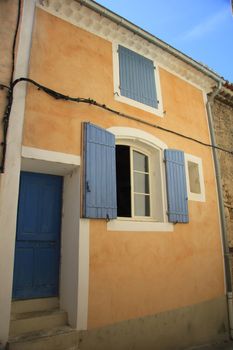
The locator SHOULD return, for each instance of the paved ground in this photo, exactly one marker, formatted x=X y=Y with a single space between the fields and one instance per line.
x=217 y=346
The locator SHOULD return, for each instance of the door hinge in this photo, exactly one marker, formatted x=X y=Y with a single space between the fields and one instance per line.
x=88 y=186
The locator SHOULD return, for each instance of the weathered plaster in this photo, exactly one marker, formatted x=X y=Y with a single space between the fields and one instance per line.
x=176 y=329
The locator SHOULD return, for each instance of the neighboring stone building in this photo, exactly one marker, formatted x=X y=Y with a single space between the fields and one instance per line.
x=223 y=123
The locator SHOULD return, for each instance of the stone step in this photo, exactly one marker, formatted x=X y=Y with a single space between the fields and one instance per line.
x=58 y=338
x=20 y=306
x=36 y=321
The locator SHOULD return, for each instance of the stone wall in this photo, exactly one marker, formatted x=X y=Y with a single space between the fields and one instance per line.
x=223 y=123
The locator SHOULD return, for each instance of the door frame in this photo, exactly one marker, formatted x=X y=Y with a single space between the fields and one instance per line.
x=35 y=242
x=74 y=261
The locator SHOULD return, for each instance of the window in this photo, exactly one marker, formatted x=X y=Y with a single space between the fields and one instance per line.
x=124 y=177
x=140 y=178
x=136 y=80
x=133 y=182
x=195 y=180
x=194 y=177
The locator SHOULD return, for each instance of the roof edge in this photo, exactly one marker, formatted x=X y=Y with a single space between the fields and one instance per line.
x=149 y=37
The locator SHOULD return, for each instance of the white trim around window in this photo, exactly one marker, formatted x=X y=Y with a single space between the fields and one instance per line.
x=137 y=134
x=116 y=81
x=194 y=178
x=158 y=220
x=139 y=226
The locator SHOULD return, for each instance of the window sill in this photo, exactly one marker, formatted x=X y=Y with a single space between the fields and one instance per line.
x=139 y=226
x=157 y=111
x=197 y=197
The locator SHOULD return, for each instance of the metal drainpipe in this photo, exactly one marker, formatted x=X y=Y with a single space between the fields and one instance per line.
x=227 y=257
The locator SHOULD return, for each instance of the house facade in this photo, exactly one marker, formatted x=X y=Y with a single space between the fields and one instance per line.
x=108 y=193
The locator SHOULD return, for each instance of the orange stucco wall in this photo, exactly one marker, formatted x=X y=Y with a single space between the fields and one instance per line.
x=131 y=274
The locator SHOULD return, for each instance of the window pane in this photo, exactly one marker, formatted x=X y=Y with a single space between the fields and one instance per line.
x=194 y=179
x=141 y=182
x=141 y=205
x=140 y=161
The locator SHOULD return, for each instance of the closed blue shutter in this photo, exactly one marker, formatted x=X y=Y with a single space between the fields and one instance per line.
x=176 y=186
x=99 y=173
x=137 y=79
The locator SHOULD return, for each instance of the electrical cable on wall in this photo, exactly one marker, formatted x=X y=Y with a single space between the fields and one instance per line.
x=2 y=86
x=59 y=96
x=6 y=116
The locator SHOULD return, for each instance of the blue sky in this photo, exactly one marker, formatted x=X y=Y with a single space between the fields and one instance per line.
x=202 y=29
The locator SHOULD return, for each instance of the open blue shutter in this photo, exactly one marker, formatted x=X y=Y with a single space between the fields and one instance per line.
x=99 y=173
x=176 y=186
x=137 y=78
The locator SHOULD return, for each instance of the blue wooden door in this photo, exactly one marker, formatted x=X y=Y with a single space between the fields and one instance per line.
x=37 y=251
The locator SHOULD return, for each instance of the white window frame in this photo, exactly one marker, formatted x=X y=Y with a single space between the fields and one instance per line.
x=150 y=179
x=116 y=81
x=143 y=141
x=200 y=197
x=145 y=150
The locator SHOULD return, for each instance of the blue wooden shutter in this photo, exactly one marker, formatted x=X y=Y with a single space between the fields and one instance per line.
x=137 y=79
x=176 y=186
x=99 y=173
